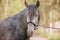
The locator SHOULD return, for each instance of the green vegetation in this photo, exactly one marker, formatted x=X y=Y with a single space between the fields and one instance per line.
x=41 y=33
x=53 y=36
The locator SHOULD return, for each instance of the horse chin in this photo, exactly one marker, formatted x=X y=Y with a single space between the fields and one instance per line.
x=30 y=34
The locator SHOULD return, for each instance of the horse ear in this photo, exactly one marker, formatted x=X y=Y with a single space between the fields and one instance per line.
x=37 y=4
x=26 y=4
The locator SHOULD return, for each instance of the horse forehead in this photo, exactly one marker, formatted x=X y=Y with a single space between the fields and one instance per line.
x=32 y=9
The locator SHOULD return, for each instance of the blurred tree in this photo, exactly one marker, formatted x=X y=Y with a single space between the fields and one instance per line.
x=5 y=8
x=0 y=1
x=12 y=7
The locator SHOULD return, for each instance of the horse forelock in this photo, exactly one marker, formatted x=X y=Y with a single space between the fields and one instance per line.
x=32 y=11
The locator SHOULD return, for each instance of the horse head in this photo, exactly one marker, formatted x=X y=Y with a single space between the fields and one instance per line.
x=33 y=17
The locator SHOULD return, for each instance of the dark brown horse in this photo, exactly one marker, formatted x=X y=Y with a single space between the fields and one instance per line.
x=21 y=25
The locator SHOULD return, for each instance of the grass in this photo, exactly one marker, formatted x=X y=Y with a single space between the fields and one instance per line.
x=41 y=33
x=53 y=36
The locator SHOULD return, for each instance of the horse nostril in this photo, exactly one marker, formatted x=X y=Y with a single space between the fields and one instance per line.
x=32 y=32
x=35 y=28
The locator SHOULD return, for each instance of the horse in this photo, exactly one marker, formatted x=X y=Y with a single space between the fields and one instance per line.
x=22 y=25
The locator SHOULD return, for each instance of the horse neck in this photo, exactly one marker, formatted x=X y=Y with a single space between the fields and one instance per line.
x=22 y=18
x=21 y=14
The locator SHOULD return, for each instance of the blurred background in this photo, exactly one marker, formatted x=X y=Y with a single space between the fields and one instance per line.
x=49 y=13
